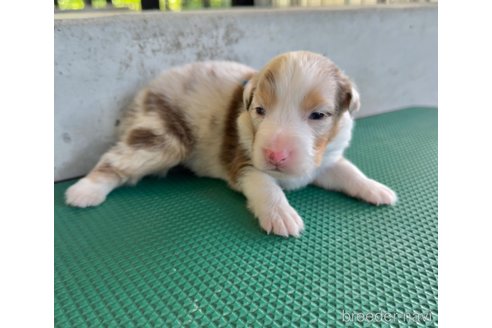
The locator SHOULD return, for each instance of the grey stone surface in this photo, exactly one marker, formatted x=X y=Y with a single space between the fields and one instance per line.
x=100 y=62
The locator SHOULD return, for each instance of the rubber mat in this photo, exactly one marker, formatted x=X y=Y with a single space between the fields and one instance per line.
x=184 y=251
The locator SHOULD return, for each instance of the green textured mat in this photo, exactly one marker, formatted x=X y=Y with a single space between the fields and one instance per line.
x=185 y=251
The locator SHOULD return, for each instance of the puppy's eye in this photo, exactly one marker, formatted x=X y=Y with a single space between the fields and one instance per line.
x=260 y=111
x=318 y=115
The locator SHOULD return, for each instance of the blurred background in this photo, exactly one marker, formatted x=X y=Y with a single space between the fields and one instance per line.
x=178 y=5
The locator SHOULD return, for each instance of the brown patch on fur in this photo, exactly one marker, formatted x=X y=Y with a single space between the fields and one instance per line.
x=344 y=94
x=105 y=168
x=174 y=119
x=233 y=157
x=250 y=98
x=104 y=171
x=144 y=138
x=266 y=88
x=322 y=141
x=265 y=92
x=311 y=101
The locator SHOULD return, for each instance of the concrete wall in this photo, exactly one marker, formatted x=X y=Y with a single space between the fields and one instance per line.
x=390 y=52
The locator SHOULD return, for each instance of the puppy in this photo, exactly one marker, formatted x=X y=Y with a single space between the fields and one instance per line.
x=282 y=127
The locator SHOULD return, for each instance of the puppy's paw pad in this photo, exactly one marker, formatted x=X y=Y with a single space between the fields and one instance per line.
x=282 y=221
x=85 y=193
x=378 y=194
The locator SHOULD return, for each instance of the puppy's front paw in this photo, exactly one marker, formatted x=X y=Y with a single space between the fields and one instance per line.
x=85 y=193
x=282 y=220
x=377 y=193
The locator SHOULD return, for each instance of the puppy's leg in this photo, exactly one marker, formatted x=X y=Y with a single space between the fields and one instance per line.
x=268 y=203
x=346 y=177
x=124 y=163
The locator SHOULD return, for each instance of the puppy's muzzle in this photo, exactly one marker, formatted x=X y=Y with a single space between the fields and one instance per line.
x=277 y=157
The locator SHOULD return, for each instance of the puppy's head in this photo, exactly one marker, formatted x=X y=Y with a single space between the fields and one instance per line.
x=294 y=105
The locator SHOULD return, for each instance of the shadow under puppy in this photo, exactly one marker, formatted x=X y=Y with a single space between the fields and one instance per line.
x=280 y=128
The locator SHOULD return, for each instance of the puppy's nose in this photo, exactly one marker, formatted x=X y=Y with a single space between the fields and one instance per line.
x=276 y=157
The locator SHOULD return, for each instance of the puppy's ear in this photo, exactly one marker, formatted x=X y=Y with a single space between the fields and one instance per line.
x=249 y=92
x=348 y=96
